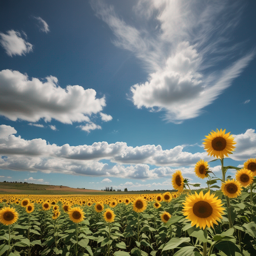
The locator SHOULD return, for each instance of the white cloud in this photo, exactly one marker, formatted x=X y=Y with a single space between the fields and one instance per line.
x=178 y=56
x=247 y=101
x=42 y=24
x=14 y=44
x=105 y=117
x=2 y=176
x=32 y=180
x=106 y=180
x=89 y=127
x=6 y=130
x=53 y=127
x=8 y=177
x=33 y=99
x=37 y=125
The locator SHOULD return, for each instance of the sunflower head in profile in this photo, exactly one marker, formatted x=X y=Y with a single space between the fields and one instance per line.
x=201 y=168
x=55 y=207
x=231 y=188
x=165 y=216
x=139 y=205
x=178 y=181
x=99 y=207
x=167 y=197
x=76 y=214
x=25 y=202
x=109 y=216
x=251 y=165
x=159 y=198
x=30 y=208
x=244 y=177
x=55 y=215
x=203 y=210
x=8 y=216
x=46 y=206
x=127 y=201
x=218 y=144
x=157 y=205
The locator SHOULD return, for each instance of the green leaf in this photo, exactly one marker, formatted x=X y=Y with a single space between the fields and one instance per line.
x=89 y=249
x=196 y=185
x=4 y=248
x=121 y=245
x=200 y=234
x=121 y=253
x=215 y=186
x=228 y=247
x=210 y=182
x=38 y=242
x=250 y=229
x=186 y=251
x=34 y=232
x=84 y=242
x=57 y=251
x=213 y=160
x=173 y=220
x=175 y=242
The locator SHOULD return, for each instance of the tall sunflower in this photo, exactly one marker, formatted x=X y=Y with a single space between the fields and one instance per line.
x=46 y=206
x=109 y=215
x=8 y=216
x=201 y=169
x=165 y=216
x=76 y=214
x=244 y=177
x=218 y=144
x=167 y=197
x=231 y=188
x=139 y=205
x=55 y=207
x=99 y=207
x=251 y=165
x=30 y=208
x=127 y=201
x=178 y=181
x=25 y=202
x=113 y=203
x=157 y=205
x=159 y=198
x=203 y=210
x=66 y=207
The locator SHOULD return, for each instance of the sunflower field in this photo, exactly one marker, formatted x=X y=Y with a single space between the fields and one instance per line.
x=218 y=220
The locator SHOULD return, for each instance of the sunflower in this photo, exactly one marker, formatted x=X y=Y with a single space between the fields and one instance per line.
x=159 y=198
x=139 y=205
x=113 y=203
x=99 y=207
x=244 y=177
x=203 y=210
x=8 y=216
x=25 y=202
x=231 y=188
x=109 y=215
x=89 y=203
x=201 y=168
x=178 y=181
x=17 y=202
x=219 y=144
x=56 y=214
x=30 y=208
x=167 y=197
x=46 y=206
x=55 y=207
x=76 y=214
x=157 y=205
x=127 y=201
x=251 y=165
x=165 y=216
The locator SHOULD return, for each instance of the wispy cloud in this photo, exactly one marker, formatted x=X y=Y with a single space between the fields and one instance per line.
x=53 y=127
x=181 y=50
x=42 y=25
x=14 y=44
x=36 y=125
x=247 y=101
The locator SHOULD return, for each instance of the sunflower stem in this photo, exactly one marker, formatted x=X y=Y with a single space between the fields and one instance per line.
x=9 y=242
x=76 y=238
x=205 y=249
x=138 y=229
x=108 y=238
x=251 y=201
x=29 y=253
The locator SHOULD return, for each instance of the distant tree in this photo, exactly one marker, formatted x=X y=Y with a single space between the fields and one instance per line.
x=125 y=190
x=5 y=181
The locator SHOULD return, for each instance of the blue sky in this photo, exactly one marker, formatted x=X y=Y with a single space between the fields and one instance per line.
x=122 y=93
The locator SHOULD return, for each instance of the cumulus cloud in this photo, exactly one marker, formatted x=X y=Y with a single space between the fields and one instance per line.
x=14 y=44
x=183 y=64
x=32 y=180
x=53 y=127
x=42 y=25
x=89 y=127
x=36 y=125
x=106 y=180
x=6 y=130
x=33 y=99
x=105 y=117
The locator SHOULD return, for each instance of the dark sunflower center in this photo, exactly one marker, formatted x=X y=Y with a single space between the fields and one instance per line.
x=244 y=178
x=174 y=196
x=166 y=217
x=65 y=208
x=202 y=169
x=219 y=144
x=29 y=208
x=166 y=197
x=178 y=180
x=252 y=167
x=99 y=207
x=202 y=209
x=139 y=204
x=46 y=206
x=109 y=215
x=25 y=203
x=231 y=188
x=76 y=215
x=8 y=216
x=127 y=201
x=158 y=198
x=156 y=204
